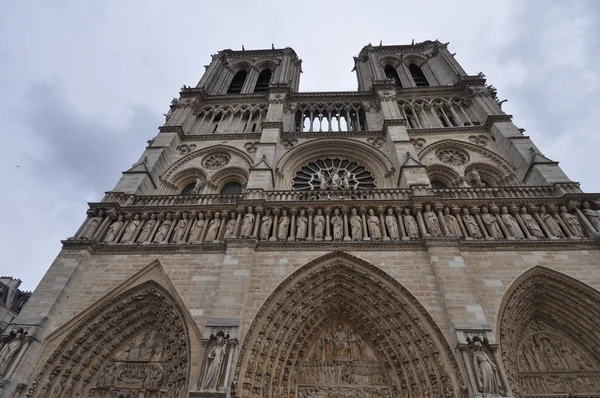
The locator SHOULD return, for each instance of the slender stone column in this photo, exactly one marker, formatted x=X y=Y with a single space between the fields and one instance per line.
x=293 y=225
x=90 y=215
x=257 y=222
x=467 y=360
x=156 y=226
x=224 y=216
x=208 y=218
x=475 y=212
x=275 y=225
x=443 y=226
x=517 y=216
x=327 y=223
x=588 y=228
x=560 y=222
x=363 y=212
x=542 y=224
x=420 y=221
x=187 y=229
x=494 y=211
x=309 y=229
x=345 y=214
x=173 y=224
x=122 y=229
x=403 y=235
x=382 y=228
x=506 y=384
x=102 y=227
x=456 y=212
x=238 y=223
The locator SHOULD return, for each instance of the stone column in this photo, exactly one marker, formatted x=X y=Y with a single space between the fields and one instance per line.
x=345 y=214
x=327 y=224
x=257 y=221
x=456 y=213
x=123 y=228
x=224 y=216
x=417 y=209
x=89 y=215
x=403 y=235
x=208 y=218
x=494 y=210
x=187 y=228
x=586 y=225
x=275 y=225
x=560 y=222
x=517 y=216
x=443 y=226
x=293 y=225
x=309 y=229
x=363 y=212
x=541 y=223
x=159 y=218
x=238 y=223
x=475 y=212
x=382 y=229
x=173 y=224
x=102 y=228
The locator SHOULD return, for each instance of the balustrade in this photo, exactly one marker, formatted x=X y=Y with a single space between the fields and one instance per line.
x=330 y=118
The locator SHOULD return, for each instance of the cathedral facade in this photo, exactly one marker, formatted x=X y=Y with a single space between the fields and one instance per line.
x=405 y=240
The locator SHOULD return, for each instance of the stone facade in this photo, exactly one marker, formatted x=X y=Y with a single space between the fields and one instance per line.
x=403 y=240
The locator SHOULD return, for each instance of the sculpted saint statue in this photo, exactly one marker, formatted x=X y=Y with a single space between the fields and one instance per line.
x=284 y=226
x=346 y=179
x=301 y=225
x=214 y=225
x=355 y=225
x=10 y=350
x=412 y=230
x=432 y=222
x=179 y=235
x=265 y=225
x=392 y=225
x=197 y=228
x=147 y=229
x=531 y=224
x=451 y=223
x=319 y=223
x=551 y=224
x=486 y=372
x=216 y=358
x=229 y=227
x=131 y=228
x=471 y=225
x=373 y=225
x=512 y=226
x=247 y=224
x=572 y=222
x=338 y=225
x=491 y=224
x=92 y=225
x=113 y=230
x=592 y=215
x=324 y=183
x=336 y=181
x=163 y=230
x=198 y=185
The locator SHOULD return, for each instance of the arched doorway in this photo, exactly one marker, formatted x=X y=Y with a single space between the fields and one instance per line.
x=549 y=335
x=341 y=327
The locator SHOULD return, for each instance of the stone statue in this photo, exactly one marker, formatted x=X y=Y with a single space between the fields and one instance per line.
x=92 y=225
x=147 y=229
x=451 y=223
x=336 y=181
x=319 y=224
x=392 y=225
x=338 y=225
x=486 y=373
x=512 y=226
x=247 y=224
x=284 y=226
x=373 y=225
x=230 y=226
x=197 y=228
x=10 y=350
x=491 y=224
x=214 y=225
x=265 y=225
x=412 y=230
x=216 y=359
x=531 y=224
x=592 y=215
x=181 y=228
x=163 y=230
x=131 y=228
x=475 y=179
x=198 y=185
x=572 y=222
x=323 y=182
x=471 y=225
x=432 y=222
x=346 y=179
x=355 y=225
x=113 y=230
x=551 y=224
x=301 y=225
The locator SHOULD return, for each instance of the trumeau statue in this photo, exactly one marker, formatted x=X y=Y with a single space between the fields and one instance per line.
x=284 y=226
x=486 y=372
x=147 y=229
x=10 y=350
x=572 y=222
x=471 y=225
x=551 y=224
x=338 y=225
x=214 y=225
x=163 y=230
x=412 y=230
x=131 y=229
x=216 y=361
x=247 y=224
x=301 y=225
x=491 y=224
x=319 y=223
x=592 y=215
x=355 y=225
x=230 y=226
x=531 y=224
x=512 y=226
x=432 y=222
x=265 y=225
x=114 y=229
x=392 y=225
x=451 y=223
x=373 y=225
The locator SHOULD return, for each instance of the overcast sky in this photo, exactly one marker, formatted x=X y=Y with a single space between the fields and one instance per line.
x=84 y=84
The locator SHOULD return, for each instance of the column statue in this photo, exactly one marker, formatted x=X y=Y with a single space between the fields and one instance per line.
x=92 y=225
x=265 y=225
x=512 y=226
x=451 y=223
x=486 y=372
x=301 y=225
x=10 y=350
x=213 y=228
x=471 y=225
x=113 y=230
x=412 y=230
x=491 y=224
x=551 y=224
x=216 y=361
x=319 y=224
x=131 y=228
x=531 y=224
x=284 y=226
x=572 y=222
x=247 y=224
x=147 y=229
x=592 y=215
x=197 y=228
x=230 y=226
x=355 y=225
x=181 y=228
x=373 y=225
x=432 y=222
x=163 y=230
x=338 y=225
x=392 y=225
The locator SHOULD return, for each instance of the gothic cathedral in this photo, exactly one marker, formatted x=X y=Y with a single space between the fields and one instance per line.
x=405 y=240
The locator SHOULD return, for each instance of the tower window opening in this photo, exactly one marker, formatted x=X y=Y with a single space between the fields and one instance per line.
x=237 y=82
x=232 y=188
x=418 y=76
x=262 y=84
x=216 y=121
x=437 y=184
x=391 y=74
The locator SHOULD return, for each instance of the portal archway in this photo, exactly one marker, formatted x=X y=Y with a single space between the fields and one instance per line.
x=549 y=335
x=340 y=326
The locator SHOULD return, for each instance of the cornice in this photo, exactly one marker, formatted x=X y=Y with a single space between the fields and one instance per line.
x=220 y=136
x=491 y=119
x=171 y=129
x=438 y=130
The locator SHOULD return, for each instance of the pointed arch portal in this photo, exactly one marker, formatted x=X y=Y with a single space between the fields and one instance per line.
x=340 y=326
x=549 y=336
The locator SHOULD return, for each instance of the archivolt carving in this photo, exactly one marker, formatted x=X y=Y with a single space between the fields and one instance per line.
x=229 y=174
x=444 y=174
x=134 y=343
x=548 y=335
x=403 y=354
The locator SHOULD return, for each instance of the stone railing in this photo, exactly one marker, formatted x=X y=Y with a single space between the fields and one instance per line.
x=496 y=192
x=171 y=200
x=302 y=196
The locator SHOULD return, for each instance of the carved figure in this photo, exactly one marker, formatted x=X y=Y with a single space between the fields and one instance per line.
x=323 y=182
x=338 y=225
x=265 y=225
x=284 y=226
x=229 y=227
x=163 y=230
x=213 y=228
x=113 y=230
x=572 y=222
x=451 y=223
x=131 y=228
x=336 y=181
x=491 y=224
x=392 y=225
x=92 y=225
x=198 y=185
x=197 y=228
x=346 y=179
x=551 y=224
x=471 y=225
x=485 y=371
x=475 y=179
x=247 y=224
x=181 y=229
x=301 y=225
x=10 y=350
x=355 y=225
x=215 y=358
x=373 y=225
x=512 y=226
x=319 y=223
x=147 y=229
x=531 y=224
x=592 y=215
x=432 y=222
x=412 y=230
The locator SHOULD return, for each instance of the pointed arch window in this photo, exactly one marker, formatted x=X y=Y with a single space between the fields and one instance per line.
x=392 y=74
x=262 y=84
x=418 y=76
x=237 y=82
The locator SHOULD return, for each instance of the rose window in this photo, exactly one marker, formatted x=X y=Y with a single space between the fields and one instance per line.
x=333 y=174
x=216 y=161
x=452 y=156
